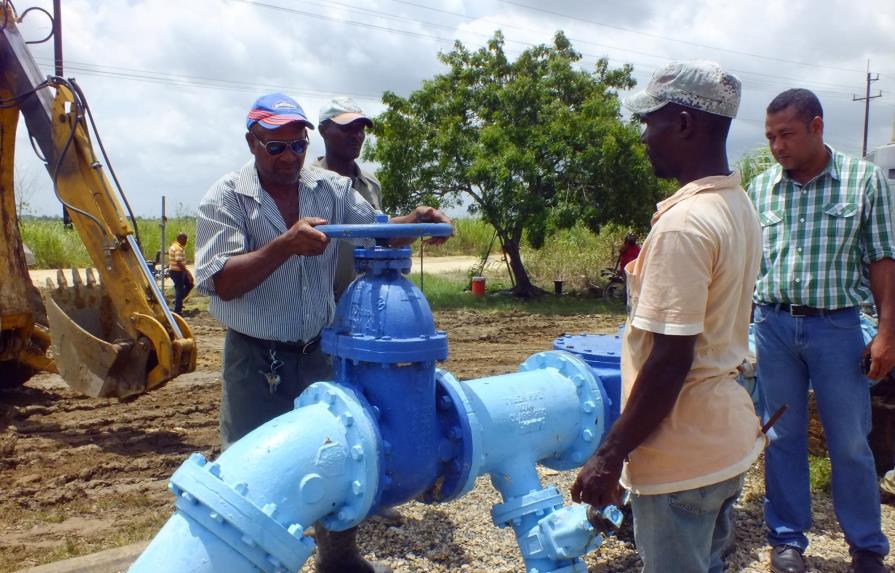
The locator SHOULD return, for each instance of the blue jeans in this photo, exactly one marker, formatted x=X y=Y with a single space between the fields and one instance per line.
x=691 y=529
x=182 y=287
x=825 y=350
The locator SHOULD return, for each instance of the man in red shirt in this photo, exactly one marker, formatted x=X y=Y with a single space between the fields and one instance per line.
x=628 y=252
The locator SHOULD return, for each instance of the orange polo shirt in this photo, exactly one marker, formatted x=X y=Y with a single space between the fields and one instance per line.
x=695 y=276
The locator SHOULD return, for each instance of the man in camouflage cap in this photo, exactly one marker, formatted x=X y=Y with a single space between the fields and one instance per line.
x=688 y=432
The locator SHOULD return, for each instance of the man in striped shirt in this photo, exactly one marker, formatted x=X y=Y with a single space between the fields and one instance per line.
x=269 y=274
x=180 y=275
x=829 y=244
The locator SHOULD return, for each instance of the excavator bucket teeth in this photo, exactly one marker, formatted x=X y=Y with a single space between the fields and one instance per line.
x=93 y=353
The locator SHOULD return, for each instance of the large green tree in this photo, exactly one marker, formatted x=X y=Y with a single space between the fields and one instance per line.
x=531 y=145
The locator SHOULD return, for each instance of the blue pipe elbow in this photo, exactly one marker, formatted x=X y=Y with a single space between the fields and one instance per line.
x=248 y=510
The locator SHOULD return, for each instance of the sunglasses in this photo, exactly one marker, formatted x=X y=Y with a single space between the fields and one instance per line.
x=298 y=146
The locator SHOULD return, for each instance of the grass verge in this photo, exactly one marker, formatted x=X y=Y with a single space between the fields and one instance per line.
x=449 y=291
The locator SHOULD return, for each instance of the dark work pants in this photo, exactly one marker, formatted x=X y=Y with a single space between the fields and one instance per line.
x=248 y=400
x=181 y=289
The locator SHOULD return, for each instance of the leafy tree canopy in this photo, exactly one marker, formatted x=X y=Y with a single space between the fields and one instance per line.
x=533 y=145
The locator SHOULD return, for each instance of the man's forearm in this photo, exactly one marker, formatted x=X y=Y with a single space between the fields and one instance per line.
x=653 y=396
x=882 y=285
x=242 y=273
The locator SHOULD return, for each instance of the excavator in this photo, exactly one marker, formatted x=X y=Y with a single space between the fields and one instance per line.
x=111 y=337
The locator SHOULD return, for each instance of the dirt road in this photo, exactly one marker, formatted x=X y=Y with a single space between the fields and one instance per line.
x=81 y=474
x=434 y=265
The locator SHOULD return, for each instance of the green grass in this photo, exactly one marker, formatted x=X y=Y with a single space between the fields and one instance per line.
x=471 y=237
x=573 y=255
x=56 y=247
x=820 y=473
x=52 y=245
x=449 y=291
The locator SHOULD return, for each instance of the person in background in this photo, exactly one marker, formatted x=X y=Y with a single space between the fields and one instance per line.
x=343 y=125
x=829 y=244
x=629 y=251
x=180 y=275
x=687 y=432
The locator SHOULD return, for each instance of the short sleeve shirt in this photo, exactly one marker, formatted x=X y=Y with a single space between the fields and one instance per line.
x=237 y=216
x=694 y=276
x=176 y=257
x=819 y=237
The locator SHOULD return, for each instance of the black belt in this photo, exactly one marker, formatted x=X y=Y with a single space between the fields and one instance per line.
x=300 y=346
x=801 y=310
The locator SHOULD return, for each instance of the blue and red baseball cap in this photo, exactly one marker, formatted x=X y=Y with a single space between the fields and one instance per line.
x=276 y=110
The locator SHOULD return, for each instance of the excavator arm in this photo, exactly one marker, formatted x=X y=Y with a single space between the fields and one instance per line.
x=116 y=338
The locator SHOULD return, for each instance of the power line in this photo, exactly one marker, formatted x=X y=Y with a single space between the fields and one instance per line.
x=784 y=83
x=670 y=39
x=184 y=80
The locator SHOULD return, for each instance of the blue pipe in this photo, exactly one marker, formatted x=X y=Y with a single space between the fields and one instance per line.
x=248 y=510
x=389 y=429
x=550 y=412
x=602 y=352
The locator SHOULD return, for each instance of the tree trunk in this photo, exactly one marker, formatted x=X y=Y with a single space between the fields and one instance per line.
x=523 y=287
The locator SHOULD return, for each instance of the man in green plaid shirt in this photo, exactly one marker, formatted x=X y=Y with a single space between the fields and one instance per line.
x=829 y=245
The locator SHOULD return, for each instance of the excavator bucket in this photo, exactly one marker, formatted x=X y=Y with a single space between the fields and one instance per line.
x=111 y=337
x=93 y=353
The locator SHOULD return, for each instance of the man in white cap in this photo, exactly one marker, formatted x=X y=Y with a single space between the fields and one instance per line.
x=688 y=432
x=343 y=127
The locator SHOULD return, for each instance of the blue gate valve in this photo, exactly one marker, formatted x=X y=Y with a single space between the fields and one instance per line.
x=389 y=428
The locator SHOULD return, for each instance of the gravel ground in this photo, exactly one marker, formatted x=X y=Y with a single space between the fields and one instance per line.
x=460 y=536
x=80 y=475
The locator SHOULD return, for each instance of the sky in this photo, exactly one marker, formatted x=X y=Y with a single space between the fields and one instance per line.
x=169 y=82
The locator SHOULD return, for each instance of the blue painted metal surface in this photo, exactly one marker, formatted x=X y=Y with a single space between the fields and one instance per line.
x=602 y=352
x=550 y=412
x=386 y=230
x=247 y=511
x=385 y=345
x=391 y=428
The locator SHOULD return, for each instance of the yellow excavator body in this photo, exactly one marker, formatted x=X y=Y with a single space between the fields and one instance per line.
x=111 y=337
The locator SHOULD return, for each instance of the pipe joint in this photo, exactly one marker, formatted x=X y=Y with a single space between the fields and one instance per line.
x=537 y=503
x=252 y=532
x=359 y=454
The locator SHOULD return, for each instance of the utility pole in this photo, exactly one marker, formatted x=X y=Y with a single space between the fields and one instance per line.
x=866 y=99
x=57 y=60
x=57 y=36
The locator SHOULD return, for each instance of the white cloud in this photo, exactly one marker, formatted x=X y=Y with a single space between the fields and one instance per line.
x=169 y=82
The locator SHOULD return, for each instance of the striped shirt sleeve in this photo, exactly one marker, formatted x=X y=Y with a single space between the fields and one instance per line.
x=219 y=233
